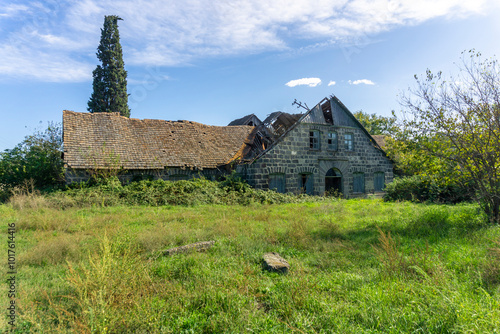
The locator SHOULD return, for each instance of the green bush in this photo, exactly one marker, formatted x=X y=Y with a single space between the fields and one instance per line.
x=183 y=192
x=420 y=188
x=37 y=158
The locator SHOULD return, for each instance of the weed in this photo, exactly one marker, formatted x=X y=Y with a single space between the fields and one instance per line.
x=418 y=264
x=298 y=234
x=328 y=229
x=26 y=196
x=491 y=269
x=109 y=286
x=433 y=221
x=156 y=238
x=388 y=254
x=52 y=250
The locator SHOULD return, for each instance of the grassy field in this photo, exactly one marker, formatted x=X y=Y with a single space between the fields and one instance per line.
x=357 y=266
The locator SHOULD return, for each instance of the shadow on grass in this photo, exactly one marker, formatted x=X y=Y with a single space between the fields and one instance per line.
x=436 y=223
x=431 y=224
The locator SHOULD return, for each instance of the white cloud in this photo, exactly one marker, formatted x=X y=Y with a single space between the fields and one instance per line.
x=19 y=62
x=331 y=83
x=12 y=10
x=170 y=32
x=362 y=81
x=311 y=82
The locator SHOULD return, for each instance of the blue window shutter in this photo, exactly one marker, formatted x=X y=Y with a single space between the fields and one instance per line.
x=310 y=184
x=277 y=182
x=358 y=183
x=379 y=181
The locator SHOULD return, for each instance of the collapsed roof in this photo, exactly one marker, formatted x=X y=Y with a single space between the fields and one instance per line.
x=329 y=111
x=98 y=140
x=108 y=140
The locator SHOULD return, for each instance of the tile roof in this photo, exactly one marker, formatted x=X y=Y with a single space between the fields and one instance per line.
x=108 y=140
x=380 y=140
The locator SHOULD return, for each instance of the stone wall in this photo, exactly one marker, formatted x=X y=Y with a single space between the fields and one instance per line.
x=172 y=174
x=293 y=156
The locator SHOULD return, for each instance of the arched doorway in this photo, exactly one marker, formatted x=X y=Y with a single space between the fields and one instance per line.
x=333 y=181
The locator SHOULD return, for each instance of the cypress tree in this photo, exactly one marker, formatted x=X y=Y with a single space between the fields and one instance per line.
x=110 y=79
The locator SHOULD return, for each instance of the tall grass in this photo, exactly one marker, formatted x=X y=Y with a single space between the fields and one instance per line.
x=26 y=196
x=108 y=288
x=357 y=266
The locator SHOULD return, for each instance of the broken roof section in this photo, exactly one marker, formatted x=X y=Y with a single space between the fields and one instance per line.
x=97 y=140
x=251 y=120
x=278 y=123
x=330 y=111
x=266 y=132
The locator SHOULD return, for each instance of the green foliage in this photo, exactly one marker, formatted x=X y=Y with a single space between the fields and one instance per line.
x=409 y=159
x=110 y=78
x=37 y=158
x=451 y=129
x=424 y=177
x=426 y=188
x=234 y=182
x=375 y=124
x=232 y=190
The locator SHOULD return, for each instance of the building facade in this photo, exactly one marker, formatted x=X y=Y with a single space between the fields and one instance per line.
x=323 y=151
x=326 y=151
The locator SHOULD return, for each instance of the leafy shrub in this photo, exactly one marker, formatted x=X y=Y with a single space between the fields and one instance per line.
x=420 y=188
x=110 y=191
x=182 y=192
x=37 y=158
x=234 y=182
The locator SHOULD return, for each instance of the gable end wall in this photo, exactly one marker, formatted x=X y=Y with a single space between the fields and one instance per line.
x=292 y=156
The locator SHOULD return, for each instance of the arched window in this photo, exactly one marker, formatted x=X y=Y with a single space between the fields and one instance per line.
x=333 y=181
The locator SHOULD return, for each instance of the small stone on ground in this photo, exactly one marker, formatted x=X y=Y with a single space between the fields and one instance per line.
x=274 y=262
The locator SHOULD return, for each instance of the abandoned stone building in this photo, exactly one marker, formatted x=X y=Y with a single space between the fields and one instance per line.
x=322 y=150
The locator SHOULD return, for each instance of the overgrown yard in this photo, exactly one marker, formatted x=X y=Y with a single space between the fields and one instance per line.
x=357 y=266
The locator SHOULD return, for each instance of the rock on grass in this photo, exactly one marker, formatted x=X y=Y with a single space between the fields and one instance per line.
x=274 y=262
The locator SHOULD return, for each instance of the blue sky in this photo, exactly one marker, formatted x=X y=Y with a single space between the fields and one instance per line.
x=213 y=61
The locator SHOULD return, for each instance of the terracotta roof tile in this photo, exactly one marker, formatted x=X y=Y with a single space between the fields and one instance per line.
x=101 y=140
